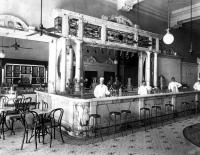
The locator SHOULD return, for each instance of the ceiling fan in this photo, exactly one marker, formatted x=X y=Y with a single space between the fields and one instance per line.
x=16 y=46
x=42 y=30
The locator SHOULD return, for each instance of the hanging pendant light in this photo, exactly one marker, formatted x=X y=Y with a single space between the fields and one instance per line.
x=191 y=48
x=168 y=37
x=115 y=60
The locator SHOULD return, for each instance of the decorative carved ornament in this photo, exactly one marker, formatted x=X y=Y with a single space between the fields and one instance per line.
x=12 y=22
x=91 y=60
x=126 y=5
x=118 y=19
x=109 y=61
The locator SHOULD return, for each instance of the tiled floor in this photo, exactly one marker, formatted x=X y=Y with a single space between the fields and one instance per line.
x=163 y=140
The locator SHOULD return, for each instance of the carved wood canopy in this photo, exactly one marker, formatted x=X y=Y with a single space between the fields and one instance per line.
x=12 y=22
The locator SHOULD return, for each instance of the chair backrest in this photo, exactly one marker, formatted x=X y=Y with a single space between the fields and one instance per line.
x=29 y=119
x=44 y=105
x=56 y=115
x=22 y=97
x=27 y=99
x=3 y=100
x=20 y=106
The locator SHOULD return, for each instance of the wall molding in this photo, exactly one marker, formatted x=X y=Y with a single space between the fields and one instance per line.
x=183 y=15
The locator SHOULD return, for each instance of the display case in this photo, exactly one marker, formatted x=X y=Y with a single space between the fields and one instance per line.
x=24 y=74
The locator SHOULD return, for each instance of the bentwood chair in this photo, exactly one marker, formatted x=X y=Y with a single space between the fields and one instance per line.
x=3 y=100
x=14 y=115
x=53 y=121
x=30 y=122
x=2 y=124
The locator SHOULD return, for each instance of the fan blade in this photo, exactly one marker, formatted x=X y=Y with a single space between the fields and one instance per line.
x=25 y=48
x=5 y=46
x=32 y=34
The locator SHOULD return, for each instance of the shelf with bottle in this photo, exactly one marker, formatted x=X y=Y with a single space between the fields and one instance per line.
x=91 y=31
x=73 y=26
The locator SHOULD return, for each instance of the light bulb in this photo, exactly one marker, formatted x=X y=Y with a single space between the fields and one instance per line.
x=115 y=61
x=2 y=54
x=168 y=38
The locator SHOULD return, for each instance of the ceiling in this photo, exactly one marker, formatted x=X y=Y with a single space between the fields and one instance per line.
x=38 y=51
x=29 y=11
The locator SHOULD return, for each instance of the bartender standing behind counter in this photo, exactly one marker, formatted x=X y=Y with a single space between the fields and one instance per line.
x=197 y=85
x=144 y=89
x=173 y=85
x=101 y=90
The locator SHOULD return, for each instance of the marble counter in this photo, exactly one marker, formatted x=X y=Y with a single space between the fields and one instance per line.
x=77 y=111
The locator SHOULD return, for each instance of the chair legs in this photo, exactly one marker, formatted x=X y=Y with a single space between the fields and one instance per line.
x=53 y=135
x=34 y=134
x=61 y=135
x=24 y=135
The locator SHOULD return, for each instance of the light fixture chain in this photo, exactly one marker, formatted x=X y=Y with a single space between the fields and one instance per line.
x=168 y=15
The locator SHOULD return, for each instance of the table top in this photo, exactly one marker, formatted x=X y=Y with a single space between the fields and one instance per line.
x=6 y=109
x=39 y=111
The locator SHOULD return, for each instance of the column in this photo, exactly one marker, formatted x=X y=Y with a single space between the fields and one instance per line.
x=136 y=39
x=63 y=65
x=69 y=64
x=79 y=64
x=65 y=25
x=103 y=34
x=80 y=29
x=52 y=66
x=147 y=69
x=2 y=71
x=140 y=68
x=155 y=70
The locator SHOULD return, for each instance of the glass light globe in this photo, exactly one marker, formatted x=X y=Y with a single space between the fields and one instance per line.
x=115 y=62
x=2 y=54
x=168 y=38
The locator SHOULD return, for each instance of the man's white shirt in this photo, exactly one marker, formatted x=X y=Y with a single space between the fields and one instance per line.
x=173 y=86
x=101 y=91
x=143 y=90
x=197 y=86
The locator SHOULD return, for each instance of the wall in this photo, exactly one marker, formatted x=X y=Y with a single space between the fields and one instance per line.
x=100 y=68
x=169 y=67
x=189 y=73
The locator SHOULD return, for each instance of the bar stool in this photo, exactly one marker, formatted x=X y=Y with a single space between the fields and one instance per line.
x=185 y=107
x=195 y=106
x=145 y=118
x=157 y=110
x=170 y=109
x=96 y=124
x=114 y=114
x=126 y=113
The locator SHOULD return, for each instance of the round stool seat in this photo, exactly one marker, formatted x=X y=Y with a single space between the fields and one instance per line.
x=95 y=115
x=125 y=111
x=169 y=104
x=156 y=107
x=115 y=113
x=186 y=103
x=145 y=108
